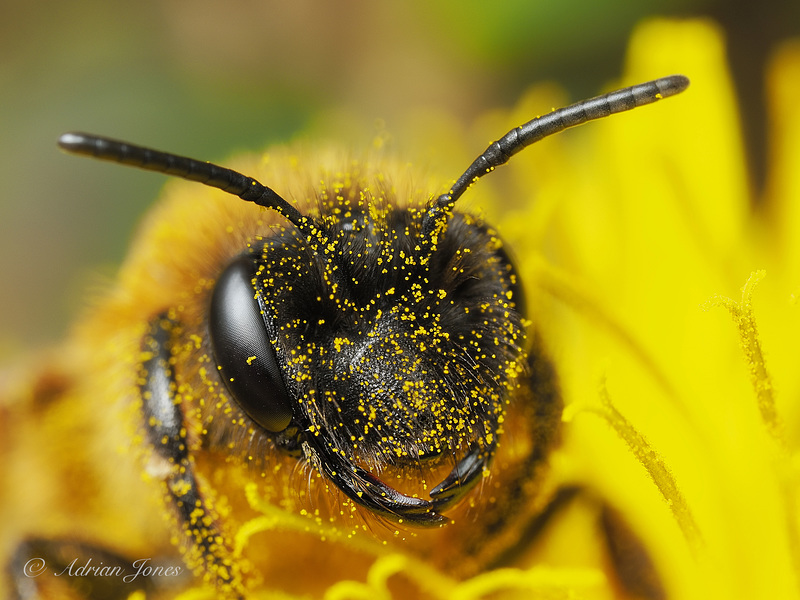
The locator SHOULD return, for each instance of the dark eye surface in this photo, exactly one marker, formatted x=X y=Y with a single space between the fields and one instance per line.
x=242 y=348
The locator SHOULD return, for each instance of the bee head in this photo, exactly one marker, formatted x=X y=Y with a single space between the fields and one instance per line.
x=370 y=337
x=382 y=354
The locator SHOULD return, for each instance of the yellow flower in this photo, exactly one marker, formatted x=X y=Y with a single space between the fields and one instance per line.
x=647 y=231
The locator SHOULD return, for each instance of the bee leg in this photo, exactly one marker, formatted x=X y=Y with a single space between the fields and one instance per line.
x=633 y=568
x=533 y=529
x=203 y=545
x=54 y=568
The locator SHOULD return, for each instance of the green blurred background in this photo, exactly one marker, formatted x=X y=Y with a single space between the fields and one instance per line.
x=210 y=78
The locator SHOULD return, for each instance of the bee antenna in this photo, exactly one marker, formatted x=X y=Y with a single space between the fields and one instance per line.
x=499 y=152
x=207 y=173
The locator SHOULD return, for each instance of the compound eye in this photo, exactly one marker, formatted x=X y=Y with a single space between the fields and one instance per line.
x=243 y=351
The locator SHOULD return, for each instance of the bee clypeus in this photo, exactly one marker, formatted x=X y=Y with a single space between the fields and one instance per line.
x=351 y=351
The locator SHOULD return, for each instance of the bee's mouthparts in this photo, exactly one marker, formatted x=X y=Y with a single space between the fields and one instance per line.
x=367 y=490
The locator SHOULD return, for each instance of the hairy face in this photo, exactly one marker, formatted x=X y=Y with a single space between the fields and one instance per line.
x=388 y=352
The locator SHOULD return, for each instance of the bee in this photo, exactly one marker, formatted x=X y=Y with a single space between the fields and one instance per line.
x=352 y=352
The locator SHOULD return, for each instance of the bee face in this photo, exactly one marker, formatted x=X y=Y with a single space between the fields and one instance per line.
x=374 y=354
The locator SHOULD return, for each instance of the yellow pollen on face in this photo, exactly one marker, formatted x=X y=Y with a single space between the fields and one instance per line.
x=340 y=342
